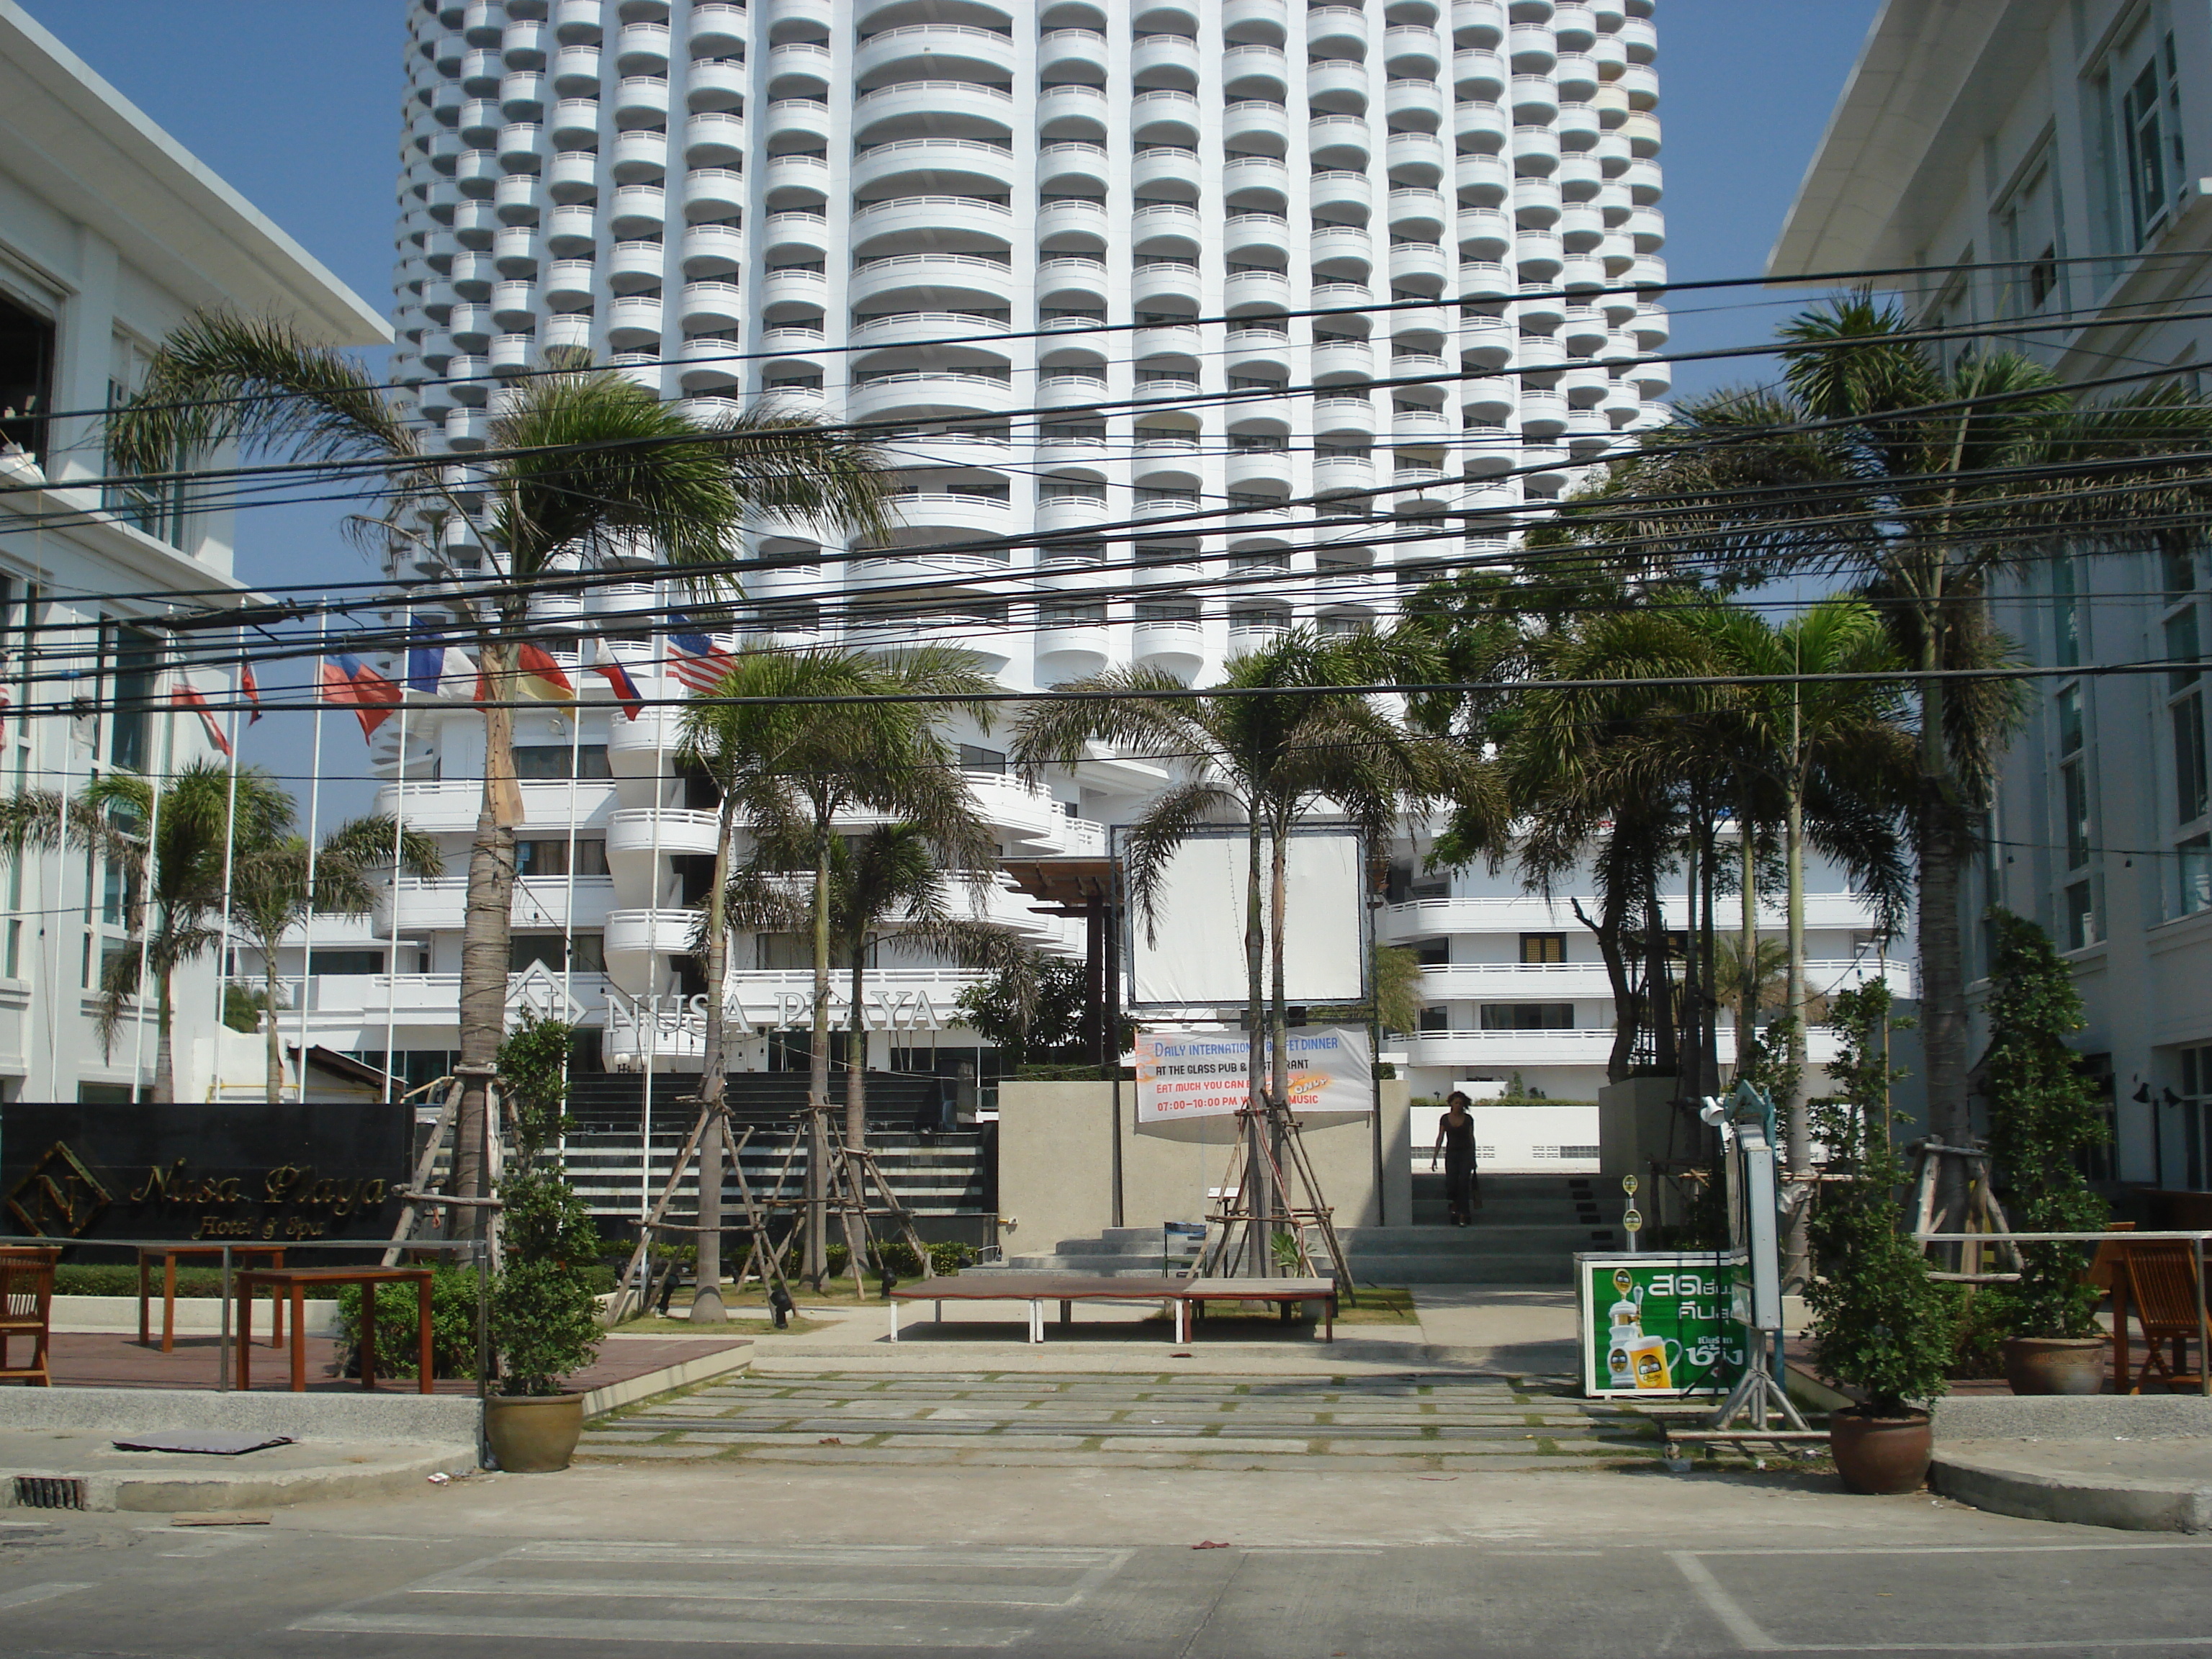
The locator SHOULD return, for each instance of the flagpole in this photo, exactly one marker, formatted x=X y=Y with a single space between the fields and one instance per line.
x=158 y=778
x=230 y=851
x=398 y=831
x=314 y=833
x=568 y=923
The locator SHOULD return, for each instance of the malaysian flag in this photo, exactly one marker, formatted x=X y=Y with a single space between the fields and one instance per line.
x=694 y=658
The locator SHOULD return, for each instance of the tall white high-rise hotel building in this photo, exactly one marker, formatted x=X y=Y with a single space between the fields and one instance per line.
x=795 y=198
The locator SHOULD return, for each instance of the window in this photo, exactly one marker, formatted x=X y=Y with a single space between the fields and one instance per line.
x=2027 y=227
x=526 y=951
x=1436 y=1019
x=2183 y=1153
x=1527 y=1015
x=27 y=359
x=2150 y=139
x=346 y=962
x=136 y=657
x=1433 y=953
x=549 y=857
x=551 y=762
x=1537 y=949
x=973 y=759
x=2065 y=612
x=2194 y=858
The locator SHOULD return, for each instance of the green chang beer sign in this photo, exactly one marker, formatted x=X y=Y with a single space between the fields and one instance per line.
x=1656 y=1325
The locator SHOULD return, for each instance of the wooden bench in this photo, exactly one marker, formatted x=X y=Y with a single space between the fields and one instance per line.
x=1179 y=1297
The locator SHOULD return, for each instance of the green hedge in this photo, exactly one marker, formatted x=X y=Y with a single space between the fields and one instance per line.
x=452 y=1327
x=121 y=1279
x=946 y=1258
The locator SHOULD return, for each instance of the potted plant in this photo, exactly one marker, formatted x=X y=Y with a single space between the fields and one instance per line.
x=2043 y=1117
x=1882 y=1326
x=544 y=1318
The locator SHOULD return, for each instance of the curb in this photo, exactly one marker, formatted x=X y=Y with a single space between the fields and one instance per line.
x=167 y=1494
x=2117 y=1501
x=681 y=1375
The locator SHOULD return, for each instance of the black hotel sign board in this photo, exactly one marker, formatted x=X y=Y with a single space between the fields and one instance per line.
x=217 y=1174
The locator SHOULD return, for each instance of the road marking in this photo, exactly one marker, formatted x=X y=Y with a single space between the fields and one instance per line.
x=886 y=1597
x=33 y=1592
x=1723 y=1607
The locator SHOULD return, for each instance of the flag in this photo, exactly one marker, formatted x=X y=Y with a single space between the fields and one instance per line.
x=608 y=668
x=349 y=681
x=694 y=658
x=247 y=684
x=538 y=675
x=184 y=695
x=436 y=667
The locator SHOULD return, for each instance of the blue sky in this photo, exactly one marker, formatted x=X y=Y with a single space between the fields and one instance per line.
x=296 y=102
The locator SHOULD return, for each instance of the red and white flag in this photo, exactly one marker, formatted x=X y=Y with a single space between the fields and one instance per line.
x=184 y=695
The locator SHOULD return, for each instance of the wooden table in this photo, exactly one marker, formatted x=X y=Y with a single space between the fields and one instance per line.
x=169 y=1255
x=296 y=1280
x=1178 y=1295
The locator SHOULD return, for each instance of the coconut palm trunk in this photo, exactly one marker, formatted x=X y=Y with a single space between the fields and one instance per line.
x=707 y=1307
x=816 y=1267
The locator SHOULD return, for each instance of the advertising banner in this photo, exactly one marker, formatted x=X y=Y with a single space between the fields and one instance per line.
x=1184 y=1075
x=1656 y=1325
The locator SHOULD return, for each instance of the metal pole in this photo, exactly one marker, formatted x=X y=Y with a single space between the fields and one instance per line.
x=222 y=1358
x=315 y=829
x=230 y=851
x=156 y=776
x=392 y=1090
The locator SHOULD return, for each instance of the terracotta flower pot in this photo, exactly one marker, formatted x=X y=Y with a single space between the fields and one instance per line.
x=1882 y=1454
x=2055 y=1365
x=533 y=1433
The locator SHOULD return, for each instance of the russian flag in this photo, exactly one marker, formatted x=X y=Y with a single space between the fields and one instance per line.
x=186 y=695
x=437 y=667
x=538 y=675
x=349 y=681
x=618 y=678
x=694 y=658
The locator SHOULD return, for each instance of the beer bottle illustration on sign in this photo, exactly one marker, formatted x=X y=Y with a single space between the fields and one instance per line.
x=1623 y=1328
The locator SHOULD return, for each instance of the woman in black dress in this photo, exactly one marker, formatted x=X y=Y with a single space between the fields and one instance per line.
x=1455 y=1140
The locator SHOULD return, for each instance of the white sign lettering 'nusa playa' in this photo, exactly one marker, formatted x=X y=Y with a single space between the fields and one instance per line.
x=1202 y=1074
x=895 y=1009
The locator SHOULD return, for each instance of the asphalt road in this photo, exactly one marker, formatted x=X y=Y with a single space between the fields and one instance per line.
x=1077 y=1563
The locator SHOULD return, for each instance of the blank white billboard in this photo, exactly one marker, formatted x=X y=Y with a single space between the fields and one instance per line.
x=1191 y=955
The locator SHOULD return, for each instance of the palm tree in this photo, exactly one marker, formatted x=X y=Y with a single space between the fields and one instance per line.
x=1279 y=736
x=584 y=468
x=272 y=893
x=788 y=768
x=1926 y=481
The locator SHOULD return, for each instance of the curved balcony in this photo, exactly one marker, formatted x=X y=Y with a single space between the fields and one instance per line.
x=794 y=235
x=709 y=364
x=1258 y=125
x=1073 y=220
x=924 y=394
x=1486 y=342
x=712 y=305
x=640 y=47
x=1343 y=194
x=1070 y=651
x=1159 y=168
x=1072 y=168
x=575 y=123
x=796 y=118
x=1479 y=73
x=718 y=28
x=1411 y=50
x=712 y=192
x=1415 y=211
x=522 y=95
x=1338 y=85
x=1341 y=414
x=1257 y=238
x=640 y=101
x=920 y=328
x=637 y=261
x=510 y=352
x=933 y=216
x=1421 y=263
x=636 y=834
x=574 y=176
x=637 y=210
x=1165 y=116
x=1336 y=32
x=927 y=279
x=1337 y=141
x=1255 y=181
x=1416 y=158
x=1071 y=54
x=1582 y=227
x=803 y=289
x=514 y=251
x=714 y=138
x=1579 y=129
x=1342 y=362
x=934 y=166
x=1491 y=398
x=1171 y=284
x=709 y=248
x=1072 y=111
x=1424 y=428
x=632 y=939
x=1063 y=389
x=1341 y=473
x=1252 y=292
x=1176 y=645
x=714 y=83
x=633 y=321
x=945 y=51
x=519 y=199
x=1072 y=282
x=1341 y=253
x=1267 y=468
x=955 y=108
x=798 y=69
x=1254 y=69
x=1642 y=131
x=1481 y=129
x=1256 y=18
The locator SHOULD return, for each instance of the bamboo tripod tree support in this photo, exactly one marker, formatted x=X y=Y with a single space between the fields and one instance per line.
x=640 y=1280
x=846 y=1175
x=1984 y=1213
x=1239 y=1209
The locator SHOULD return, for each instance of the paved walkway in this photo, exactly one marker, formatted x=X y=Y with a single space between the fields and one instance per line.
x=1408 y=1423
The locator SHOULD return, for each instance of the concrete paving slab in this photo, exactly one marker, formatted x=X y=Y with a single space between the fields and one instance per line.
x=167 y=1482
x=2162 y=1484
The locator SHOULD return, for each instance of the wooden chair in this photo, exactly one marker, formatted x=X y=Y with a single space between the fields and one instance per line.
x=2156 y=1282
x=26 y=1305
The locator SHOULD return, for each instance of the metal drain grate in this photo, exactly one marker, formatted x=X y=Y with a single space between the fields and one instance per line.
x=49 y=1492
